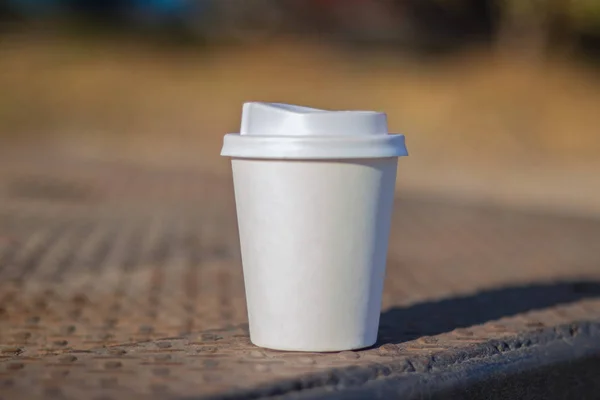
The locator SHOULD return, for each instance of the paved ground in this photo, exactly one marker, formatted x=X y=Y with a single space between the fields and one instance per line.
x=124 y=282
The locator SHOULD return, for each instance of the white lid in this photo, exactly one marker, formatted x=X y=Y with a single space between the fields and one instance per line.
x=282 y=131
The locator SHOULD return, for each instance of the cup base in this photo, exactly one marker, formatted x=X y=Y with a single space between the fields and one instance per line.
x=312 y=349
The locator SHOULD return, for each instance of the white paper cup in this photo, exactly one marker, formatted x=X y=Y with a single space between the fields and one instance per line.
x=314 y=192
x=314 y=238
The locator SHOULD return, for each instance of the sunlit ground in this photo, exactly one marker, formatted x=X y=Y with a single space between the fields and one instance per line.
x=482 y=126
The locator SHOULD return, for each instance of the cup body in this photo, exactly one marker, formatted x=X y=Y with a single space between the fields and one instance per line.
x=314 y=239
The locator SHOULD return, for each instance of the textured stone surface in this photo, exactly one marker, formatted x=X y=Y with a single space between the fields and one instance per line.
x=122 y=282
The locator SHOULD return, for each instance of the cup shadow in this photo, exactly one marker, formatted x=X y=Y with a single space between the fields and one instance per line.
x=399 y=324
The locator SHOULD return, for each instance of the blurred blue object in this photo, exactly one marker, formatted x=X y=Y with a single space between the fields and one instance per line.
x=155 y=8
x=153 y=13
x=166 y=7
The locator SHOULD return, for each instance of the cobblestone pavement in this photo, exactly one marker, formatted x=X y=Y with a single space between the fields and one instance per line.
x=123 y=282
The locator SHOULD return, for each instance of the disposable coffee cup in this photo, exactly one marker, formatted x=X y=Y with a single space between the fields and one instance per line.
x=314 y=193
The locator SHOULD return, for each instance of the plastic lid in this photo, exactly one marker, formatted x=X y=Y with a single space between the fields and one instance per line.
x=282 y=131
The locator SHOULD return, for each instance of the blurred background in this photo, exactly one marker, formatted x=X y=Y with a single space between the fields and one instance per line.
x=499 y=99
